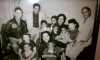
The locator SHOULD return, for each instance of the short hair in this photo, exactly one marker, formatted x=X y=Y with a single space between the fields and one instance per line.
x=74 y=22
x=64 y=26
x=44 y=21
x=87 y=8
x=64 y=16
x=37 y=4
x=44 y=33
x=29 y=35
x=18 y=8
x=54 y=17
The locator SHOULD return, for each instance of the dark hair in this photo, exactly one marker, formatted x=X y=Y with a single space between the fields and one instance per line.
x=64 y=16
x=56 y=25
x=55 y=17
x=44 y=21
x=18 y=8
x=74 y=22
x=87 y=8
x=26 y=44
x=44 y=33
x=64 y=26
x=37 y=4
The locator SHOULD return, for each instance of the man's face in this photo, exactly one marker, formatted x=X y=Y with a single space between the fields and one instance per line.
x=36 y=9
x=53 y=21
x=18 y=14
x=85 y=13
x=60 y=20
x=46 y=37
x=71 y=26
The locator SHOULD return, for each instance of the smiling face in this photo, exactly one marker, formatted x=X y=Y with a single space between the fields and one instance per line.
x=36 y=9
x=85 y=13
x=26 y=38
x=53 y=21
x=61 y=20
x=43 y=25
x=18 y=14
x=71 y=26
x=55 y=29
x=46 y=37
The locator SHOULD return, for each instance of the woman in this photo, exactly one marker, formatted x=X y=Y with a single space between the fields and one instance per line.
x=45 y=38
x=71 y=49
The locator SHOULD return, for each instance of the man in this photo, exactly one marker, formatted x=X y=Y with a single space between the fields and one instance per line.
x=36 y=10
x=85 y=34
x=14 y=30
x=37 y=15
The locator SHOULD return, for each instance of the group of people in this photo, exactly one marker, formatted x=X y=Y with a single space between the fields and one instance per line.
x=55 y=40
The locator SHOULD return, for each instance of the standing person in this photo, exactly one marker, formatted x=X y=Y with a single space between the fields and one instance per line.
x=15 y=28
x=85 y=35
x=36 y=11
x=37 y=15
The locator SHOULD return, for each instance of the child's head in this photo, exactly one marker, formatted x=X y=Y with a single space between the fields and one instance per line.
x=54 y=19
x=45 y=36
x=44 y=23
x=64 y=29
x=26 y=38
x=55 y=29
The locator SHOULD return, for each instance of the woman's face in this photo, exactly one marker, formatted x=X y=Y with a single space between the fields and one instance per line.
x=60 y=20
x=53 y=21
x=71 y=26
x=46 y=37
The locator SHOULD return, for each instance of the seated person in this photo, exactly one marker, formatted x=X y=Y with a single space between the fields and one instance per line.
x=49 y=53
x=27 y=52
x=64 y=37
x=45 y=38
x=26 y=39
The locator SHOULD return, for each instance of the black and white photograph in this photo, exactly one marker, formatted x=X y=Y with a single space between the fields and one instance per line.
x=48 y=29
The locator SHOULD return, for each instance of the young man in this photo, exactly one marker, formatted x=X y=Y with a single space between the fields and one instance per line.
x=14 y=30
